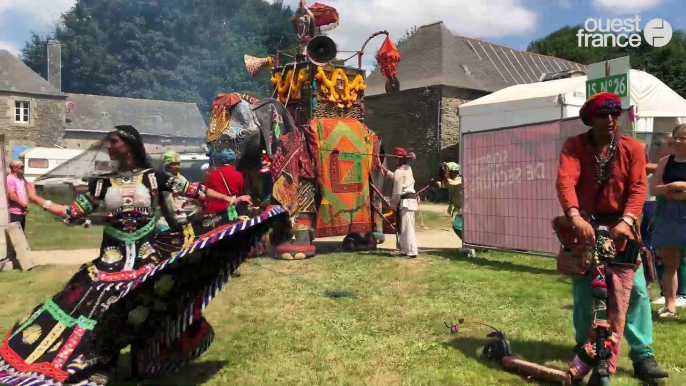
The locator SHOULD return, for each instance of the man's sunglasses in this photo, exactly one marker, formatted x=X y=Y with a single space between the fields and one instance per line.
x=605 y=115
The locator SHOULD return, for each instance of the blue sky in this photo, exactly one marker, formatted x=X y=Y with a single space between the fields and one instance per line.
x=513 y=23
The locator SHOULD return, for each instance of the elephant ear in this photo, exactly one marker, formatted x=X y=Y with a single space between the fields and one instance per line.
x=274 y=121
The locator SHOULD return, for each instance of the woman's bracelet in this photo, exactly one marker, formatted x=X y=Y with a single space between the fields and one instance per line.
x=46 y=204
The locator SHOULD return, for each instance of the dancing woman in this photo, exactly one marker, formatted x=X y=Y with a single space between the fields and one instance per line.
x=126 y=295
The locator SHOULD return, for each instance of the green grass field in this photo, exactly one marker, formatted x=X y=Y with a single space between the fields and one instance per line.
x=372 y=319
x=44 y=232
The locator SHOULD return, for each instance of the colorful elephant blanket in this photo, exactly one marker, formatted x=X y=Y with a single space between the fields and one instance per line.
x=342 y=149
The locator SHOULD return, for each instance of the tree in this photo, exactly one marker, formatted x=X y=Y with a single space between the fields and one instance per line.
x=665 y=63
x=177 y=50
x=408 y=34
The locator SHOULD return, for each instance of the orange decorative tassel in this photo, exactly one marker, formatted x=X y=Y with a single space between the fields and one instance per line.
x=388 y=58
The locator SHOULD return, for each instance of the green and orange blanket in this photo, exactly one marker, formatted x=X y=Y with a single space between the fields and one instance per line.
x=342 y=149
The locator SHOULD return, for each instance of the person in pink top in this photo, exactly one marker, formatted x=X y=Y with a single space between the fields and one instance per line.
x=17 y=194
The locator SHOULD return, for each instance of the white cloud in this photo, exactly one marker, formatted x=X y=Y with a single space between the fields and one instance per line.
x=9 y=46
x=474 y=18
x=626 y=7
x=44 y=11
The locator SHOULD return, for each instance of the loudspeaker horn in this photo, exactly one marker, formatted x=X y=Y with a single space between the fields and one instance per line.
x=321 y=50
x=255 y=65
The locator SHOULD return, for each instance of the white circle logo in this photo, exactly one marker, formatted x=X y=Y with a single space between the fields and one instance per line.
x=657 y=32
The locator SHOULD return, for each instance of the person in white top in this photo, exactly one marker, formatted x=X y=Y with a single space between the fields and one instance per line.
x=404 y=198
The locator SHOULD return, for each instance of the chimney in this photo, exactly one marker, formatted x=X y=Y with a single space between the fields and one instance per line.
x=53 y=63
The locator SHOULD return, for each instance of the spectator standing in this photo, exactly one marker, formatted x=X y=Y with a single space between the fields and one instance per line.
x=664 y=150
x=17 y=194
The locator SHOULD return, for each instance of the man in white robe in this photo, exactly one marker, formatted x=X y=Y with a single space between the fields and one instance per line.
x=404 y=199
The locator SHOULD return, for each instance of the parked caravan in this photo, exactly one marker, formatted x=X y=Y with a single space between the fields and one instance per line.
x=41 y=160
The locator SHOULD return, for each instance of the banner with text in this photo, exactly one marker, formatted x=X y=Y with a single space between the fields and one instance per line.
x=509 y=185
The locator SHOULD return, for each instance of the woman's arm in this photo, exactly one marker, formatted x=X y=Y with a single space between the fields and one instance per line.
x=195 y=190
x=84 y=204
x=657 y=185
x=54 y=208
x=232 y=200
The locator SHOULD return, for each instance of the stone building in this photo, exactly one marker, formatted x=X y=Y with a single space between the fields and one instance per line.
x=164 y=125
x=31 y=109
x=438 y=72
x=35 y=112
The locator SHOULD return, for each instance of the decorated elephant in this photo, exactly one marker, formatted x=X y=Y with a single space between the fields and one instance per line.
x=248 y=126
x=320 y=171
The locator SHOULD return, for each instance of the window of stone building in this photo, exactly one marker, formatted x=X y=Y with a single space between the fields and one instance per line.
x=158 y=118
x=105 y=114
x=21 y=112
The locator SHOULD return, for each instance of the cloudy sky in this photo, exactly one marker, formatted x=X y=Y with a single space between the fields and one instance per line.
x=512 y=23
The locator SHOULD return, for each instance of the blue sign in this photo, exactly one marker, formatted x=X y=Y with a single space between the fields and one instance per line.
x=17 y=150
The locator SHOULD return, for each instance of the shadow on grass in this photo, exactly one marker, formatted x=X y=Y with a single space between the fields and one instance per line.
x=326 y=247
x=194 y=373
x=455 y=255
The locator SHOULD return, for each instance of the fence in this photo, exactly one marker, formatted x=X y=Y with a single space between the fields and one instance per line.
x=509 y=184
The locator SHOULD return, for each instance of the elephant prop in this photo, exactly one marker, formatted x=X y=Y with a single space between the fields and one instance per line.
x=320 y=172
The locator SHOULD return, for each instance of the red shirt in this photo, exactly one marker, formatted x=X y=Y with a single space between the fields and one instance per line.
x=624 y=191
x=234 y=180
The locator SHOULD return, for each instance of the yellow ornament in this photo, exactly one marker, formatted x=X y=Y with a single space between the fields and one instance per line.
x=138 y=315
x=286 y=89
x=112 y=255
x=164 y=284
x=31 y=334
x=56 y=346
x=349 y=90
x=145 y=251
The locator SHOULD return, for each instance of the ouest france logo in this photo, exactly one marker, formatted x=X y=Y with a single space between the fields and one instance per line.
x=624 y=32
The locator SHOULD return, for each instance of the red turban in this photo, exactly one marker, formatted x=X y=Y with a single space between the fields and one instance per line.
x=400 y=152
x=600 y=101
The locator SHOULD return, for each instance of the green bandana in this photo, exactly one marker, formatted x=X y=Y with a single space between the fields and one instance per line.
x=170 y=157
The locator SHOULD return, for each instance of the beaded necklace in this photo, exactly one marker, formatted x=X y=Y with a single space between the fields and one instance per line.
x=603 y=164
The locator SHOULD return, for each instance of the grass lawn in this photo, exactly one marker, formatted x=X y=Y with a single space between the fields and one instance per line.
x=45 y=231
x=371 y=319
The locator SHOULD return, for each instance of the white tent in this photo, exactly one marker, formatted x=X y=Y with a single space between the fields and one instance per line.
x=658 y=107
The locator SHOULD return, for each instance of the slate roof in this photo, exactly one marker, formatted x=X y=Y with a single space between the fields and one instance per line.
x=434 y=56
x=152 y=117
x=16 y=77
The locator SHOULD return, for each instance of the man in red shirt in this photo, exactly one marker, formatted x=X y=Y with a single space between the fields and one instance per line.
x=226 y=179
x=603 y=173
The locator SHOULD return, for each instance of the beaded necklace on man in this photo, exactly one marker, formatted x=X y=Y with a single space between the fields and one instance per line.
x=603 y=165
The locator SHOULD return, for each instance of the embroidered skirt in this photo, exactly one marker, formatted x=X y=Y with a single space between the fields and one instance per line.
x=669 y=224
x=154 y=307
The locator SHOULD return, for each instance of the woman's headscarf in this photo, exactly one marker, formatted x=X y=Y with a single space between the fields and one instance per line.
x=170 y=157
x=133 y=139
x=452 y=167
x=600 y=101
